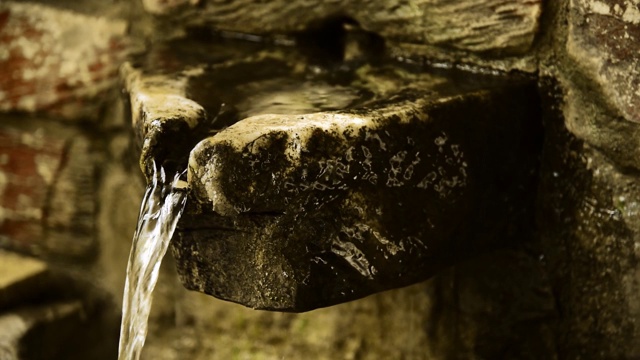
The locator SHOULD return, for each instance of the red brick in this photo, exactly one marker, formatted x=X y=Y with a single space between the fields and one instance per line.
x=56 y=61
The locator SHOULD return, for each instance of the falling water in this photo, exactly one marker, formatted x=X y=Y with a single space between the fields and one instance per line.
x=160 y=211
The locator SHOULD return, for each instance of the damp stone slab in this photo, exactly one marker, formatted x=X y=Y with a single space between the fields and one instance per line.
x=312 y=185
x=295 y=212
x=183 y=90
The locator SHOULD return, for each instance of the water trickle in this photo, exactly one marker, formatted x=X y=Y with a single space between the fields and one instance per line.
x=160 y=211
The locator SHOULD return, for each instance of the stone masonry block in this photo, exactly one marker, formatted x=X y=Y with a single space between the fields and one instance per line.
x=57 y=61
x=604 y=41
x=47 y=190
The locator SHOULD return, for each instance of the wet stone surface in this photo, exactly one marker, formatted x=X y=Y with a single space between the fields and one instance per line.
x=184 y=90
x=349 y=210
x=335 y=183
x=588 y=216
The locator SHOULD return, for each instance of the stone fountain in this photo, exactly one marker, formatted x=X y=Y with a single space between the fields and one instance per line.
x=481 y=150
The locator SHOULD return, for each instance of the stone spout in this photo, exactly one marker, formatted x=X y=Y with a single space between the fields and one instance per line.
x=309 y=190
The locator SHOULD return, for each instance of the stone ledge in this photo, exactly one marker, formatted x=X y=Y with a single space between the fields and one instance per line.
x=294 y=199
x=312 y=219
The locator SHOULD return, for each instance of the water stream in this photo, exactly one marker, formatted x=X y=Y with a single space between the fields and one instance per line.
x=160 y=211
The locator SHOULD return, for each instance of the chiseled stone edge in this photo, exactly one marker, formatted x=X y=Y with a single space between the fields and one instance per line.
x=156 y=101
x=205 y=180
x=160 y=97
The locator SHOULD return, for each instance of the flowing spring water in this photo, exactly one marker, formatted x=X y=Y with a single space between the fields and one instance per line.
x=160 y=211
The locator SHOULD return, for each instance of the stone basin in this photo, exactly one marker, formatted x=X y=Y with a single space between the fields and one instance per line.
x=317 y=180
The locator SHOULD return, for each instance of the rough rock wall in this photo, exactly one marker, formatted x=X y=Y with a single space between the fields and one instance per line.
x=587 y=200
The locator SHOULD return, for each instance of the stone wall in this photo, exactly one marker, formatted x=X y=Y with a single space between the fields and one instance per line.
x=70 y=186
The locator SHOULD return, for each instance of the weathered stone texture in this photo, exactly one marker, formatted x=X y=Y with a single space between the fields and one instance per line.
x=161 y=112
x=164 y=7
x=312 y=220
x=593 y=255
x=57 y=61
x=587 y=116
x=588 y=218
x=495 y=27
x=47 y=186
x=604 y=41
x=323 y=173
